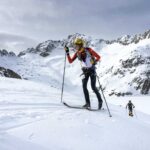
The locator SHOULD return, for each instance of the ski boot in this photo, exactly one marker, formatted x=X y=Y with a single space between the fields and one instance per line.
x=86 y=106
x=130 y=114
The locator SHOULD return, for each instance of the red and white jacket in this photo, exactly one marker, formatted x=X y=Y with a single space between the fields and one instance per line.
x=86 y=55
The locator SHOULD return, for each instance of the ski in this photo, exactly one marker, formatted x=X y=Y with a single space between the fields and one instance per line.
x=80 y=107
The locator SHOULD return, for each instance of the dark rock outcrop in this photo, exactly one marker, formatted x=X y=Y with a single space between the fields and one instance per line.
x=6 y=53
x=43 y=49
x=120 y=94
x=44 y=54
x=9 y=73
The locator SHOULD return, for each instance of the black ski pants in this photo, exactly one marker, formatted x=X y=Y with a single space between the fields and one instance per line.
x=92 y=75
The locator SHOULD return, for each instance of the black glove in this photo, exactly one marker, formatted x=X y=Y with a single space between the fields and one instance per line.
x=67 y=50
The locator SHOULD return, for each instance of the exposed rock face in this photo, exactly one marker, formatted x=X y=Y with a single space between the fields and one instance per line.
x=43 y=49
x=145 y=86
x=127 y=39
x=44 y=54
x=133 y=62
x=9 y=73
x=21 y=54
x=6 y=53
x=120 y=94
x=138 y=67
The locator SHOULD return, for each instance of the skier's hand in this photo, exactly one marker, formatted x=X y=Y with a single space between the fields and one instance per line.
x=95 y=63
x=66 y=49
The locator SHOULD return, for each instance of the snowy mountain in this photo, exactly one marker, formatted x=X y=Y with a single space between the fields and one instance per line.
x=125 y=60
x=127 y=39
x=6 y=72
x=32 y=116
x=43 y=49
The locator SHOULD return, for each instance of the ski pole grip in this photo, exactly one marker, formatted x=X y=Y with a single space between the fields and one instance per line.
x=66 y=49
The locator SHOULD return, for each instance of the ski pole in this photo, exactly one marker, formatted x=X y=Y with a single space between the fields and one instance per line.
x=106 y=103
x=135 y=113
x=104 y=99
x=63 y=81
x=98 y=81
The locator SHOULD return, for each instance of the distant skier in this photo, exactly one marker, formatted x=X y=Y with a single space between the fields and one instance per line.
x=130 y=107
x=88 y=58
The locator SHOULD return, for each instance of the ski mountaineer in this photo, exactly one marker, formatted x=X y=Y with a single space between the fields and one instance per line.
x=130 y=107
x=88 y=58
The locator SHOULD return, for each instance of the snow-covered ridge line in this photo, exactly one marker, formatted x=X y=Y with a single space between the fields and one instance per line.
x=124 y=69
x=46 y=47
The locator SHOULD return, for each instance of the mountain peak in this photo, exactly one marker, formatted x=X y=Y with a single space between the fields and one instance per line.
x=46 y=47
x=6 y=53
x=128 y=39
x=76 y=35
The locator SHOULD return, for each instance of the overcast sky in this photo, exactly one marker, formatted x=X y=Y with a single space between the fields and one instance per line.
x=24 y=23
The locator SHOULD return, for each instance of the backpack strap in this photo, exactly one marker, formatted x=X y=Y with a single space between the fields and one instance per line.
x=92 y=57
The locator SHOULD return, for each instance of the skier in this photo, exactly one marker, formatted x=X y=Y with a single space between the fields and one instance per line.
x=88 y=58
x=130 y=107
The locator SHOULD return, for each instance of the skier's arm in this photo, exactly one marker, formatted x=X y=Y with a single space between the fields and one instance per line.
x=68 y=55
x=71 y=59
x=96 y=55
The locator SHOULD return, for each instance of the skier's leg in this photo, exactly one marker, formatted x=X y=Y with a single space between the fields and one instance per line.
x=94 y=88
x=85 y=90
x=131 y=112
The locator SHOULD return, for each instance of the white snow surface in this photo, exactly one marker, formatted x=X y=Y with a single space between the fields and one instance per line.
x=33 y=118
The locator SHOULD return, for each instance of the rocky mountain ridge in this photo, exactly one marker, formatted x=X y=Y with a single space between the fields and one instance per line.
x=124 y=68
x=44 y=49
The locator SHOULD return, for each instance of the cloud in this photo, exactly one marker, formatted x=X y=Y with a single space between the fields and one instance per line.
x=15 y=43
x=55 y=19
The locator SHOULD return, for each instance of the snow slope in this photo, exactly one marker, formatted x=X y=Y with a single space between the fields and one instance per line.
x=125 y=64
x=32 y=117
